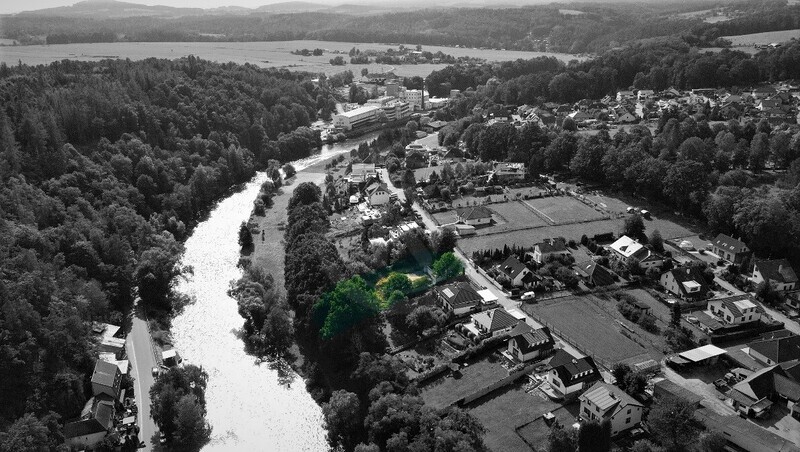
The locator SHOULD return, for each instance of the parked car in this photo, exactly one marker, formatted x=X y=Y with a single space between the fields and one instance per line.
x=528 y=296
x=155 y=371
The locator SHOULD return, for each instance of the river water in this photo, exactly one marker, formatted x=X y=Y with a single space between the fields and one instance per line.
x=250 y=406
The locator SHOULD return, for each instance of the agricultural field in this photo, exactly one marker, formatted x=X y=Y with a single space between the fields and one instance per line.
x=516 y=214
x=580 y=321
x=564 y=209
x=264 y=54
x=763 y=38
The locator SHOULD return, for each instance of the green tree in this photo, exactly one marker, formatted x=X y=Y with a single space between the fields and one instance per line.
x=633 y=227
x=395 y=281
x=672 y=423
x=245 y=237
x=26 y=434
x=656 y=241
x=447 y=266
x=347 y=305
x=594 y=436
x=305 y=193
x=192 y=431
x=342 y=418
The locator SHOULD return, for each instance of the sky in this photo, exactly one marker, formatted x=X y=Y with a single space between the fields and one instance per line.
x=15 y=6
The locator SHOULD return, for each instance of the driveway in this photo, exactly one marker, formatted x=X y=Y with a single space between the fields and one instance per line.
x=710 y=395
x=140 y=353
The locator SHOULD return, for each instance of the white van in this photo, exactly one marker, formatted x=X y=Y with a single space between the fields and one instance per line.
x=528 y=296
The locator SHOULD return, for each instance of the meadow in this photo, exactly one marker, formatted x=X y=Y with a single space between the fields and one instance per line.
x=763 y=38
x=263 y=54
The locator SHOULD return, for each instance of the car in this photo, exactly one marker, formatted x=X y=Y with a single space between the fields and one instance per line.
x=162 y=438
x=528 y=296
x=155 y=371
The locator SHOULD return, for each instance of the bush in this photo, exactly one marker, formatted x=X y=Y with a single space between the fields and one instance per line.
x=648 y=323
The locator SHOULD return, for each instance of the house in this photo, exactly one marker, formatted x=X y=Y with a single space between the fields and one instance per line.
x=768 y=104
x=606 y=402
x=458 y=298
x=508 y=172
x=515 y=270
x=775 y=348
x=415 y=160
x=580 y=116
x=625 y=116
x=569 y=375
x=527 y=343
x=625 y=95
x=628 y=249
x=762 y=92
x=735 y=310
x=778 y=272
x=361 y=173
x=645 y=94
x=688 y=283
x=549 y=247
x=106 y=379
x=594 y=274
x=494 y=322
x=377 y=194
x=730 y=249
x=474 y=215
x=755 y=395
x=96 y=421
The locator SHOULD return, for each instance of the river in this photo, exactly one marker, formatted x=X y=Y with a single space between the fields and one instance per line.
x=249 y=405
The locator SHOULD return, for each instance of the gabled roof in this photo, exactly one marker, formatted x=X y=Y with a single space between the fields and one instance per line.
x=474 y=213
x=99 y=419
x=530 y=339
x=572 y=370
x=512 y=267
x=778 y=349
x=495 y=319
x=764 y=383
x=626 y=246
x=737 y=303
x=609 y=398
x=106 y=374
x=683 y=275
x=459 y=294
x=779 y=270
x=730 y=244
x=600 y=275
x=373 y=188
x=551 y=246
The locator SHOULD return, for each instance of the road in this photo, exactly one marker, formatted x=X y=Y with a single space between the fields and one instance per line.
x=140 y=353
x=471 y=271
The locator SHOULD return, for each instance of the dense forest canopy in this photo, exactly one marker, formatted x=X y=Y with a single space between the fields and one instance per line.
x=103 y=169
x=541 y=27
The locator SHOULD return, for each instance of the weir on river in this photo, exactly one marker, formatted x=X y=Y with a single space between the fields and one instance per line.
x=249 y=407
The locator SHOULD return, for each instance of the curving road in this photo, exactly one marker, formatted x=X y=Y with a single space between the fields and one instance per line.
x=140 y=353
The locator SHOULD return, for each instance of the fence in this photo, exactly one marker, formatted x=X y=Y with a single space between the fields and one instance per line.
x=512 y=377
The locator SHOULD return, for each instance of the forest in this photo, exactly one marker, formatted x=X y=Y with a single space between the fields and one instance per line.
x=599 y=27
x=105 y=168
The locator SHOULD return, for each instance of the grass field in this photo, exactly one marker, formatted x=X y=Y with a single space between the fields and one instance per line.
x=504 y=410
x=264 y=54
x=763 y=38
x=590 y=327
x=517 y=214
x=564 y=209
x=448 y=390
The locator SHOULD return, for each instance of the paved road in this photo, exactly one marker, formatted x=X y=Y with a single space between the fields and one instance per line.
x=140 y=353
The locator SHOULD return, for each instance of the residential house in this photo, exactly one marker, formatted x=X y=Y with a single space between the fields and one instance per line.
x=730 y=249
x=624 y=116
x=628 y=249
x=106 y=379
x=569 y=375
x=768 y=104
x=625 y=95
x=508 y=172
x=458 y=298
x=580 y=116
x=735 y=310
x=516 y=270
x=493 y=322
x=96 y=421
x=378 y=194
x=755 y=395
x=763 y=92
x=528 y=343
x=688 y=283
x=474 y=216
x=594 y=274
x=361 y=173
x=645 y=94
x=549 y=247
x=416 y=159
x=777 y=347
x=778 y=272
x=606 y=402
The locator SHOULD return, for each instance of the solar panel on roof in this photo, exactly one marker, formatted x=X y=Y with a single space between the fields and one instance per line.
x=448 y=292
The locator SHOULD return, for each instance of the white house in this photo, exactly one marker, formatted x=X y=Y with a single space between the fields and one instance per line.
x=730 y=249
x=378 y=194
x=515 y=270
x=458 y=297
x=778 y=272
x=628 y=249
x=527 y=343
x=688 y=283
x=549 y=247
x=474 y=216
x=568 y=375
x=625 y=95
x=607 y=402
x=356 y=118
x=494 y=322
x=735 y=310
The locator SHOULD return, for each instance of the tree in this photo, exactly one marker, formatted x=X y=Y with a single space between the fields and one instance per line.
x=27 y=434
x=561 y=439
x=594 y=436
x=245 y=237
x=675 y=319
x=348 y=304
x=679 y=338
x=305 y=193
x=447 y=266
x=342 y=418
x=192 y=431
x=289 y=170
x=634 y=227
x=443 y=241
x=656 y=241
x=408 y=179
x=393 y=282
x=620 y=371
x=712 y=442
x=672 y=423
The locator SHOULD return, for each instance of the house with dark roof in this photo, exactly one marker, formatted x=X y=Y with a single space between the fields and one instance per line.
x=474 y=215
x=528 y=343
x=516 y=270
x=568 y=375
x=730 y=249
x=737 y=309
x=687 y=283
x=377 y=194
x=106 y=379
x=96 y=421
x=458 y=298
x=594 y=274
x=605 y=402
x=755 y=395
x=547 y=248
x=778 y=272
x=775 y=348
x=494 y=322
